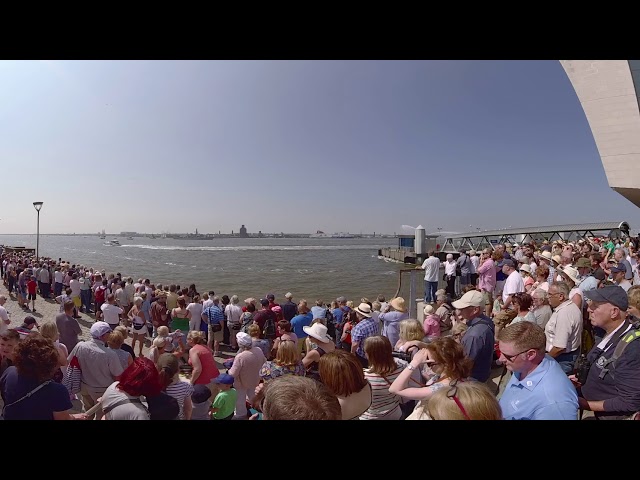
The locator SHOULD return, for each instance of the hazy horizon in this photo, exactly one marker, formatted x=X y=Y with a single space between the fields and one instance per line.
x=296 y=146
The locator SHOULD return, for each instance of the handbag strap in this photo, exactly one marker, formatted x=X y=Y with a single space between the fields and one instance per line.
x=42 y=385
x=122 y=402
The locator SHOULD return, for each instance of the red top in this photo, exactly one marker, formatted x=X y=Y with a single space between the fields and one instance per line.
x=31 y=286
x=209 y=368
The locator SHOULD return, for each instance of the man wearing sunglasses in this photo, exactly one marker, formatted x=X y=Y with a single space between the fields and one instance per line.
x=612 y=388
x=538 y=389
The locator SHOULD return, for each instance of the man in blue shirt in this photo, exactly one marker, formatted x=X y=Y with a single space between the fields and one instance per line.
x=213 y=316
x=303 y=319
x=478 y=340
x=539 y=389
x=338 y=317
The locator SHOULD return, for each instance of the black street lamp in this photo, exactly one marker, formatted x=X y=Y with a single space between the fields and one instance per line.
x=38 y=206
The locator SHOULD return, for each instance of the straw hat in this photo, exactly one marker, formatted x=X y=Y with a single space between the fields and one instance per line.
x=318 y=331
x=570 y=272
x=557 y=259
x=525 y=268
x=398 y=304
x=364 y=309
x=428 y=310
x=547 y=255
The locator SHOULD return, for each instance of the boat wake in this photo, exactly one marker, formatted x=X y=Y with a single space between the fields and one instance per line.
x=255 y=247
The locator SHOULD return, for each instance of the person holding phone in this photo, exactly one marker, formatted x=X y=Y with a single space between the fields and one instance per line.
x=447 y=362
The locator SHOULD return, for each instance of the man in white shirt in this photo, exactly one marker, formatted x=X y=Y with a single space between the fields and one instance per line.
x=450 y=275
x=111 y=311
x=513 y=284
x=122 y=299
x=431 y=267
x=57 y=278
x=475 y=263
x=564 y=328
x=4 y=316
x=130 y=289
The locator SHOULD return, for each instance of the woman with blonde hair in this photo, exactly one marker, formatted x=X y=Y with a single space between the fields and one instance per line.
x=287 y=362
x=342 y=374
x=262 y=343
x=168 y=368
x=409 y=329
x=138 y=325
x=323 y=344
x=383 y=370
x=542 y=275
x=448 y=363
x=125 y=346
x=157 y=348
x=201 y=359
x=115 y=341
x=49 y=330
x=464 y=401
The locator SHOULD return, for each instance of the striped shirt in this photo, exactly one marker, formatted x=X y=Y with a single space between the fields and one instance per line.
x=180 y=390
x=385 y=405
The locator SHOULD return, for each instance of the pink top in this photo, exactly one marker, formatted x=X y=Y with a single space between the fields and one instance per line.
x=209 y=368
x=432 y=326
x=487 y=275
x=246 y=369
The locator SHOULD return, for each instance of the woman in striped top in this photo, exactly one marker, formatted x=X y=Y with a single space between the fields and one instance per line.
x=168 y=367
x=383 y=370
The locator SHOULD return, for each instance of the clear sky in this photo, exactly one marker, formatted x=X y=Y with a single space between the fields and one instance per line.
x=296 y=146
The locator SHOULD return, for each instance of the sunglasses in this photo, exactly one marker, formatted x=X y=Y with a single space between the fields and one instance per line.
x=453 y=391
x=511 y=357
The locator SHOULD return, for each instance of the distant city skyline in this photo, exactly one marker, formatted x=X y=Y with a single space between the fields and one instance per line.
x=296 y=147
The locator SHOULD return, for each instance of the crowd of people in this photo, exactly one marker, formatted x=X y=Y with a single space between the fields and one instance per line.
x=559 y=319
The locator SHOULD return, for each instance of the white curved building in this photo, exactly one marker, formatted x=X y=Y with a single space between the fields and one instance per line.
x=608 y=91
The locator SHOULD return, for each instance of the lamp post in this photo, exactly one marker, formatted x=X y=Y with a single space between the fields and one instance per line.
x=38 y=206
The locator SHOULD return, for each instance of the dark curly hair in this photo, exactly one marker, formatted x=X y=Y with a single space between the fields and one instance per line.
x=449 y=354
x=36 y=357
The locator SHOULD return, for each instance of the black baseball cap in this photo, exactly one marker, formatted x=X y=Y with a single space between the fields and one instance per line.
x=612 y=294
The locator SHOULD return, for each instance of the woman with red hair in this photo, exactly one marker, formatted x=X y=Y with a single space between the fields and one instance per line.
x=121 y=400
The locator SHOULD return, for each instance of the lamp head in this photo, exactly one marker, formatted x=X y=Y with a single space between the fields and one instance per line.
x=37 y=205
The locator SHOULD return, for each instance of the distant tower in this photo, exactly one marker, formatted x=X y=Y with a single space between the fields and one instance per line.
x=196 y=231
x=243 y=232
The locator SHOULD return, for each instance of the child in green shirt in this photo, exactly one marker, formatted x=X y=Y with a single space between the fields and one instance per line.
x=225 y=402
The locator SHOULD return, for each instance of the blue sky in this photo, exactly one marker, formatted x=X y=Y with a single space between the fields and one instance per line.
x=296 y=146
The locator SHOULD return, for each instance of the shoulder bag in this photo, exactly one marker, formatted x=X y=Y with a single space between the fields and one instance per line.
x=24 y=397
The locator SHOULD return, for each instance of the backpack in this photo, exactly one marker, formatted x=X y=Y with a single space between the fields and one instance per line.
x=446 y=323
x=269 y=328
x=247 y=320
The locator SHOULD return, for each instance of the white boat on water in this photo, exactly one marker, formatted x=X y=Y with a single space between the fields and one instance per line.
x=102 y=237
x=129 y=238
x=112 y=243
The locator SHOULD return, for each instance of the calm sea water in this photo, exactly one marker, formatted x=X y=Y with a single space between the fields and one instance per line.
x=309 y=268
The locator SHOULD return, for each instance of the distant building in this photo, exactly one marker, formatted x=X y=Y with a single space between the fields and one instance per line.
x=126 y=234
x=243 y=232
